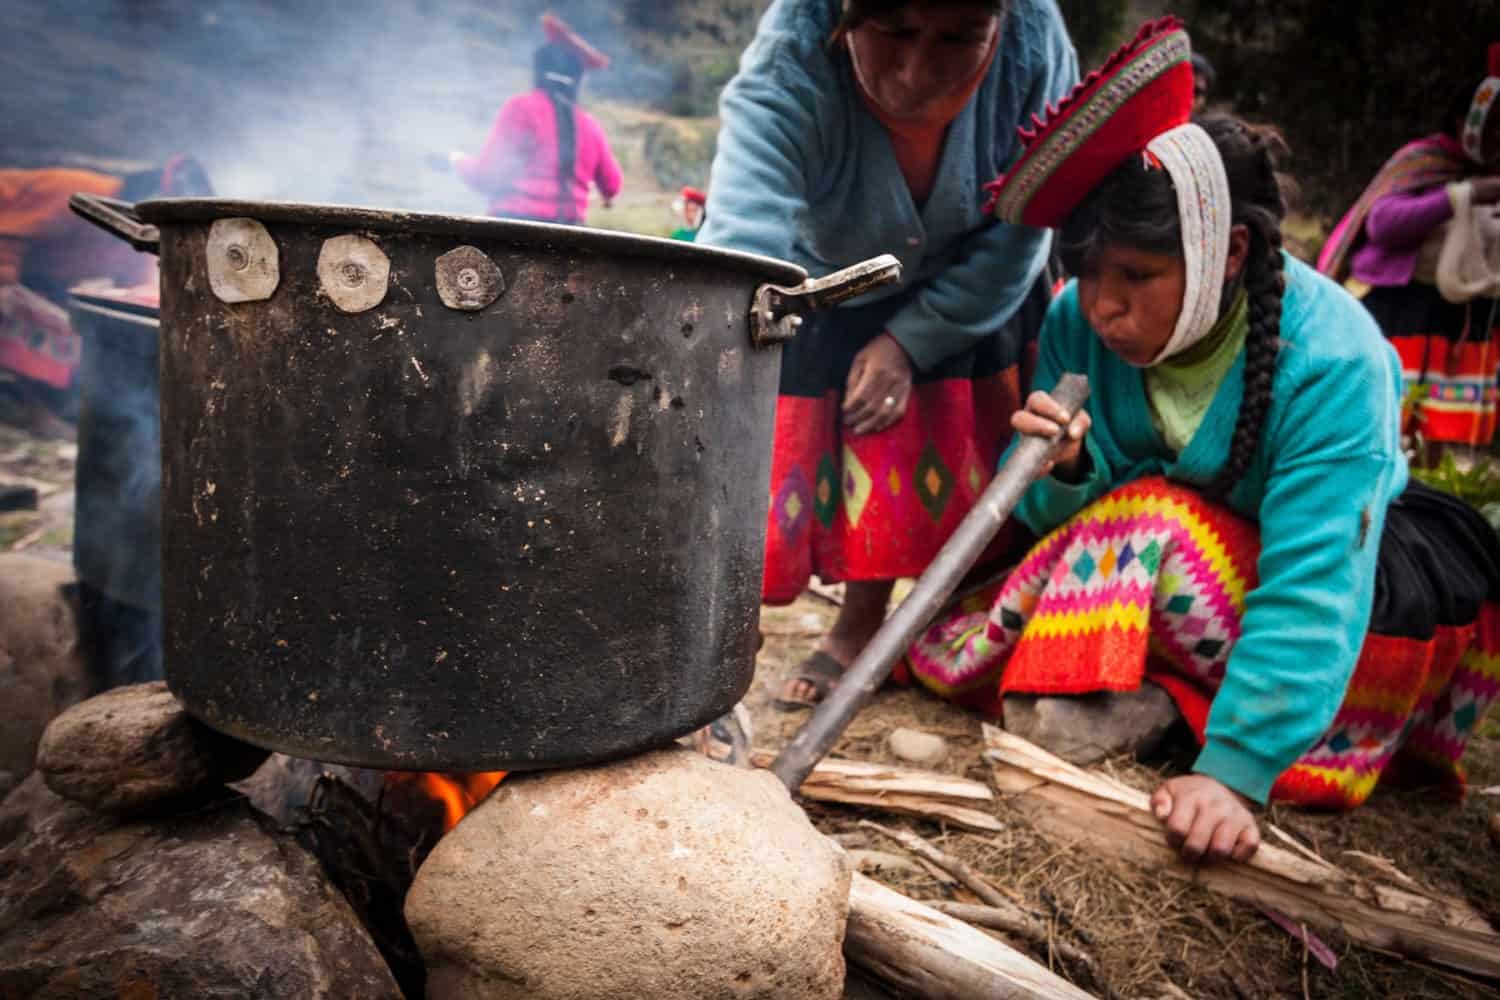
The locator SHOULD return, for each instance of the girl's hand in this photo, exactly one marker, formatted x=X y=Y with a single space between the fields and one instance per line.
x=878 y=388
x=1044 y=417
x=1206 y=819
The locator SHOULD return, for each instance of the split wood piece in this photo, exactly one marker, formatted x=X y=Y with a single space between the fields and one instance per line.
x=971 y=879
x=935 y=957
x=1014 y=920
x=998 y=912
x=1117 y=820
x=29 y=539
x=907 y=791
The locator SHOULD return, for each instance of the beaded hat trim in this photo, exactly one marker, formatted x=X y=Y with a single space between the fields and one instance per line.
x=1085 y=136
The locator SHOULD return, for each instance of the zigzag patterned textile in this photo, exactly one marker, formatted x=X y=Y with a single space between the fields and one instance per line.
x=1150 y=581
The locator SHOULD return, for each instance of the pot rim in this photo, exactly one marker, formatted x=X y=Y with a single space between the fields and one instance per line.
x=604 y=241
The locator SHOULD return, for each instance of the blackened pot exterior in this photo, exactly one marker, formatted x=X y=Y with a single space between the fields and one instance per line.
x=437 y=534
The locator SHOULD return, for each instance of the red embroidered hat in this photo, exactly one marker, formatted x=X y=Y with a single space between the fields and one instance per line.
x=1143 y=90
x=557 y=30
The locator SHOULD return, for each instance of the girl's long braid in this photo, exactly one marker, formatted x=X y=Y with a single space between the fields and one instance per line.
x=1258 y=204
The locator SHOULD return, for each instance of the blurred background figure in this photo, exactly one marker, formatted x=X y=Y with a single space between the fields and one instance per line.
x=544 y=151
x=1203 y=82
x=1388 y=250
x=689 y=207
x=45 y=250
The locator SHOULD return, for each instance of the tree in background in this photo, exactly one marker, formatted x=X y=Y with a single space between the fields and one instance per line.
x=1348 y=83
x=1096 y=26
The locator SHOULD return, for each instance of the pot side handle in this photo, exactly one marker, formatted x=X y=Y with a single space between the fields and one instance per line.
x=118 y=218
x=777 y=310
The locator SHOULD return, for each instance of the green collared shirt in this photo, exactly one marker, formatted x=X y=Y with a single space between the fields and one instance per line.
x=1180 y=389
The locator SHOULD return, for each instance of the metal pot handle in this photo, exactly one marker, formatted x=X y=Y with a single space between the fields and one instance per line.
x=119 y=218
x=777 y=310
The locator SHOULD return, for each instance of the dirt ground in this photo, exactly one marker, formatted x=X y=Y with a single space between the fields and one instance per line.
x=1154 y=936
x=44 y=460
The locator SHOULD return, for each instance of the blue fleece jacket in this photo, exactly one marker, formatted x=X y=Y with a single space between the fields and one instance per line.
x=805 y=173
x=1328 y=466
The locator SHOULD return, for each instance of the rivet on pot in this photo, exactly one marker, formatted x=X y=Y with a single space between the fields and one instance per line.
x=354 y=273
x=467 y=279
x=243 y=263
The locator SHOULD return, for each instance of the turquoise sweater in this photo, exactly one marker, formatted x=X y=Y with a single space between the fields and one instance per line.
x=805 y=173
x=1328 y=465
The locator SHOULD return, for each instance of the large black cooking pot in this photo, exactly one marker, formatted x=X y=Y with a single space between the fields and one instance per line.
x=445 y=493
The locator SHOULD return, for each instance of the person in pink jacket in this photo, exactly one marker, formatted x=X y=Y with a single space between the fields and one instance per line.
x=544 y=150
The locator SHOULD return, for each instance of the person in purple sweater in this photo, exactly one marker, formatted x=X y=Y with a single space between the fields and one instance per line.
x=1386 y=248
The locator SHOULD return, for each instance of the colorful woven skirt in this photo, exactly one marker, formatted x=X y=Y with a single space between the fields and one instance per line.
x=1449 y=358
x=36 y=339
x=879 y=507
x=1149 y=582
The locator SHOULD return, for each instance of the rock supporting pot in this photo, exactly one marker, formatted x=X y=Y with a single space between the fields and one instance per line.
x=664 y=876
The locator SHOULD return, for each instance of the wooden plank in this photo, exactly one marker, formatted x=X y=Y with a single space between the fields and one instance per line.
x=907 y=791
x=1116 y=820
x=935 y=957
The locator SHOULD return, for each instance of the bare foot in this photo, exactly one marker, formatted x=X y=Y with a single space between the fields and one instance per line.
x=861 y=616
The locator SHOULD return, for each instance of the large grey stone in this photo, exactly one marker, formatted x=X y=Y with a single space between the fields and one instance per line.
x=42 y=668
x=1085 y=729
x=662 y=876
x=206 y=904
x=133 y=748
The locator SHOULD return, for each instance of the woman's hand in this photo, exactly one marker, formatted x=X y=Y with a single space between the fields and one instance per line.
x=1045 y=417
x=879 y=385
x=1206 y=819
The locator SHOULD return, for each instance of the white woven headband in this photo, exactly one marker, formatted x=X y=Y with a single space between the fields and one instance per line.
x=1192 y=161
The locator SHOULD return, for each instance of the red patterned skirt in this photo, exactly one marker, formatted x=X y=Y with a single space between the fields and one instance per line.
x=879 y=507
x=1449 y=358
x=1149 y=582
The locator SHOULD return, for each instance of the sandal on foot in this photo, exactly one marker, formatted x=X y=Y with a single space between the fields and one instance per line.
x=820 y=671
x=727 y=739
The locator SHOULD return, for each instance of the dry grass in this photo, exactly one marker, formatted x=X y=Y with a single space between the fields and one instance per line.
x=1151 y=935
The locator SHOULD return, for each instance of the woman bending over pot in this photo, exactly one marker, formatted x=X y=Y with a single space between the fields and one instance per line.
x=855 y=128
x=1231 y=519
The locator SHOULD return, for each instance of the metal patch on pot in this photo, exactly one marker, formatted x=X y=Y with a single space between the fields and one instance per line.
x=243 y=263
x=354 y=273
x=468 y=280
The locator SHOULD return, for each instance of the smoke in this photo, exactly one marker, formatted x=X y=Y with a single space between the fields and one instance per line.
x=356 y=103
x=348 y=103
